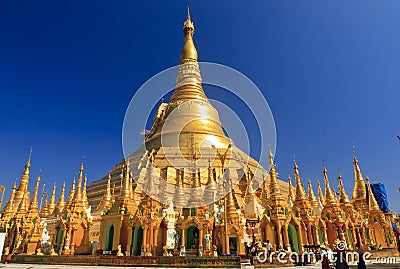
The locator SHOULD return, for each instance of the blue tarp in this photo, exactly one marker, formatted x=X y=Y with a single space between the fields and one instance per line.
x=379 y=191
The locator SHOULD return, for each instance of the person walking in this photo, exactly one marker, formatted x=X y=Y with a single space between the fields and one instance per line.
x=361 y=261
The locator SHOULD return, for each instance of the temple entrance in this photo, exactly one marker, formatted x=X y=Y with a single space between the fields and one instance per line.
x=292 y=234
x=320 y=237
x=137 y=240
x=192 y=238
x=379 y=235
x=59 y=239
x=109 y=237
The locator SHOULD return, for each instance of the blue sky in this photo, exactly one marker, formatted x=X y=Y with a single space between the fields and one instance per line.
x=329 y=70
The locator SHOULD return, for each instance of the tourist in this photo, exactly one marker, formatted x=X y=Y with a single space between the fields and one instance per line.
x=361 y=262
x=268 y=246
x=325 y=262
x=398 y=245
x=340 y=254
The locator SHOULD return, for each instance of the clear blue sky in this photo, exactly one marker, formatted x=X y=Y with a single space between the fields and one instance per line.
x=329 y=69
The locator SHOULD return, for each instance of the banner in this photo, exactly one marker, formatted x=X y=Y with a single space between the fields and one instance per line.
x=2 y=239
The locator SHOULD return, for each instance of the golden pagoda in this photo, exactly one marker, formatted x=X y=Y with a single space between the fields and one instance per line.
x=154 y=203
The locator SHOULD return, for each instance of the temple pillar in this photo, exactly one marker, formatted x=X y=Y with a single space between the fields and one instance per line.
x=129 y=242
x=73 y=241
x=201 y=238
x=286 y=238
x=145 y=228
x=279 y=234
x=309 y=235
x=183 y=239
x=301 y=242
x=155 y=240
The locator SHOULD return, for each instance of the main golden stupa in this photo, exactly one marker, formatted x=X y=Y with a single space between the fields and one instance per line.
x=191 y=191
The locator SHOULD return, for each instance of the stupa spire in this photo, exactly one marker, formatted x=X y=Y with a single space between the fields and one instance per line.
x=106 y=201
x=10 y=204
x=274 y=186
x=329 y=197
x=359 y=191
x=311 y=195
x=71 y=194
x=343 y=198
x=23 y=185
x=52 y=204
x=84 y=193
x=291 y=194
x=61 y=201
x=300 y=192
x=373 y=204
x=34 y=205
x=320 y=195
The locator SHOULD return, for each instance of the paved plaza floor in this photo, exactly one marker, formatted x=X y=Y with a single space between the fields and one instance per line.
x=395 y=263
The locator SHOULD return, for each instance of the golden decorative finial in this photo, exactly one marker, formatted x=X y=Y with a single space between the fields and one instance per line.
x=30 y=155
x=188 y=51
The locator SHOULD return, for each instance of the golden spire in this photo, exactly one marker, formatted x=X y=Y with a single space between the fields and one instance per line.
x=78 y=191
x=61 y=201
x=192 y=102
x=125 y=191
x=23 y=185
x=71 y=194
x=329 y=198
x=52 y=204
x=290 y=189
x=106 y=201
x=300 y=192
x=33 y=206
x=311 y=195
x=22 y=205
x=274 y=186
x=188 y=52
x=45 y=210
x=84 y=194
x=320 y=195
x=343 y=198
x=10 y=204
x=373 y=204
x=359 y=191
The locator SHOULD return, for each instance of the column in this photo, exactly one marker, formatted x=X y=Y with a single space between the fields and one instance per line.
x=301 y=242
x=183 y=239
x=155 y=240
x=309 y=235
x=129 y=243
x=144 y=244
x=201 y=238
x=286 y=238
x=279 y=233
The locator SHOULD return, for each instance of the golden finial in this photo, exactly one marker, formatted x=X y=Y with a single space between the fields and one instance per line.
x=188 y=51
x=271 y=157
x=29 y=158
